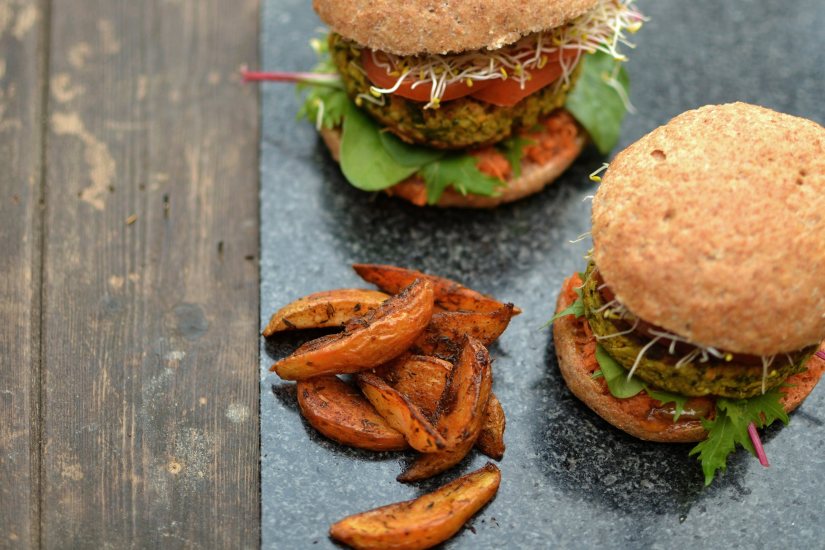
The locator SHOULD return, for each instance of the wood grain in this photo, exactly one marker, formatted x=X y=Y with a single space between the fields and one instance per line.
x=22 y=61
x=150 y=310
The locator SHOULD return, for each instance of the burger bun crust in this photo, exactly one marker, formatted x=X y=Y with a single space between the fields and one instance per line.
x=424 y=26
x=713 y=228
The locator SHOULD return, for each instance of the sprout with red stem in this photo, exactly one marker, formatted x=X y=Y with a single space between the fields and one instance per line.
x=329 y=79
x=757 y=445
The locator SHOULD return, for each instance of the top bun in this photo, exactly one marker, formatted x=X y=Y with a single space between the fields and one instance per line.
x=426 y=26
x=713 y=227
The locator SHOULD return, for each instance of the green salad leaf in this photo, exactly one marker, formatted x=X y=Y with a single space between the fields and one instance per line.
x=328 y=98
x=622 y=388
x=595 y=102
x=576 y=308
x=364 y=161
x=332 y=103
x=730 y=427
x=513 y=150
x=406 y=154
x=460 y=172
x=616 y=376
x=665 y=397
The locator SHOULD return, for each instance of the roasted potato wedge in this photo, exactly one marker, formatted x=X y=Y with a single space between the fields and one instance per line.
x=460 y=411
x=449 y=295
x=386 y=332
x=491 y=437
x=340 y=412
x=423 y=522
x=331 y=308
x=444 y=334
x=422 y=379
x=401 y=414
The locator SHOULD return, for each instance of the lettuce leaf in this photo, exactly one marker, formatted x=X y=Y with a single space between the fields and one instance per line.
x=329 y=98
x=406 y=154
x=730 y=428
x=576 y=308
x=595 y=103
x=364 y=161
x=665 y=397
x=461 y=173
x=513 y=150
x=332 y=102
x=616 y=376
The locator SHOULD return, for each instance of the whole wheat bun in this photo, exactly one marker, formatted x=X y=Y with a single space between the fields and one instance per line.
x=534 y=177
x=426 y=26
x=567 y=335
x=713 y=227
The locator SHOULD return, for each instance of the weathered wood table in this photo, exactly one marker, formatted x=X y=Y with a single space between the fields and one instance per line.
x=128 y=274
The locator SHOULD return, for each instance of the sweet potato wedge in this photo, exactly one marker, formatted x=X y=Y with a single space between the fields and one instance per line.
x=341 y=413
x=331 y=308
x=445 y=332
x=386 y=332
x=423 y=522
x=401 y=414
x=491 y=437
x=460 y=411
x=422 y=379
x=449 y=295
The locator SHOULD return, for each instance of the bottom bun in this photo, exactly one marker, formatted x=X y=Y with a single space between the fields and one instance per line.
x=569 y=335
x=534 y=176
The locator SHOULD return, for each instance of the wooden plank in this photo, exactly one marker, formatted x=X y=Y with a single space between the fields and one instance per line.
x=22 y=62
x=151 y=282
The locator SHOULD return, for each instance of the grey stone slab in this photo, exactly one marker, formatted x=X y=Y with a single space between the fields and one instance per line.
x=569 y=479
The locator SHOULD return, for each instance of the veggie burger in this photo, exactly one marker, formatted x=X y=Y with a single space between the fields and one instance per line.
x=470 y=103
x=701 y=313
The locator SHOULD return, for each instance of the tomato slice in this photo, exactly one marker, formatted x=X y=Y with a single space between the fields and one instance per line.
x=380 y=78
x=508 y=92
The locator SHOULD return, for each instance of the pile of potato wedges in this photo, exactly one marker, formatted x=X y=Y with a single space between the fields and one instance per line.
x=417 y=376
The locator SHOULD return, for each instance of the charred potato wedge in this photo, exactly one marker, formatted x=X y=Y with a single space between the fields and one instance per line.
x=491 y=437
x=401 y=414
x=331 y=308
x=449 y=295
x=460 y=411
x=384 y=333
x=422 y=379
x=445 y=333
x=423 y=522
x=341 y=413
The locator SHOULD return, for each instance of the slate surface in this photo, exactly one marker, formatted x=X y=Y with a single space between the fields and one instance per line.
x=569 y=479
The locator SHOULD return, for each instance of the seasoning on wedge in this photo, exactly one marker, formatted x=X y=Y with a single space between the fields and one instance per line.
x=330 y=308
x=340 y=412
x=423 y=522
x=385 y=333
x=460 y=412
x=401 y=414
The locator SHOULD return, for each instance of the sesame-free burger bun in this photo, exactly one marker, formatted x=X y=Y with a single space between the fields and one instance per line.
x=623 y=413
x=428 y=26
x=713 y=227
x=534 y=177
